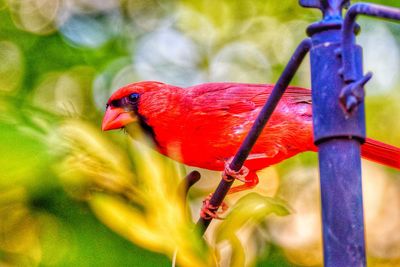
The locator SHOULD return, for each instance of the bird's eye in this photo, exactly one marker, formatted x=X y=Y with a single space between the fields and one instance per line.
x=133 y=97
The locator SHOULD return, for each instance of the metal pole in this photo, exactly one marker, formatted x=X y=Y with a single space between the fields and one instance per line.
x=338 y=135
x=348 y=41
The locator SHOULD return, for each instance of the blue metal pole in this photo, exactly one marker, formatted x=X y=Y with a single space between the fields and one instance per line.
x=338 y=135
x=348 y=41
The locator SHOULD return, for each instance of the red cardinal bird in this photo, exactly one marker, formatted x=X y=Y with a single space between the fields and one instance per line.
x=204 y=125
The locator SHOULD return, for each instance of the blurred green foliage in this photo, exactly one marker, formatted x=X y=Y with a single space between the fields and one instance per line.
x=61 y=59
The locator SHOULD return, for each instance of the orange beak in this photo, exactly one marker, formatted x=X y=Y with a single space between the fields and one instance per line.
x=116 y=118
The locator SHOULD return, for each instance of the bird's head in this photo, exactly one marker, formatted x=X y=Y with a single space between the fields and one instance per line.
x=123 y=106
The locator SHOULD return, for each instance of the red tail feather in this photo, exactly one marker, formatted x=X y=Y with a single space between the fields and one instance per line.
x=381 y=153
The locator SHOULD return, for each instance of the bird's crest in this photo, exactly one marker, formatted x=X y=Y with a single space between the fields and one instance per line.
x=139 y=87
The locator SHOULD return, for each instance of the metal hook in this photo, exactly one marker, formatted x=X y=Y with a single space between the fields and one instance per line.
x=353 y=94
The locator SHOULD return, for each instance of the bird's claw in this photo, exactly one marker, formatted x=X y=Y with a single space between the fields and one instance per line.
x=230 y=175
x=209 y=211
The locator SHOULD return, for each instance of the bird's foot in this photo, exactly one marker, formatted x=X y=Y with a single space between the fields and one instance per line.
x=209 y=211
x=230 y=175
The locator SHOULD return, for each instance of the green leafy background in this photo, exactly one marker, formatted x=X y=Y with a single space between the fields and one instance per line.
x=61 y=59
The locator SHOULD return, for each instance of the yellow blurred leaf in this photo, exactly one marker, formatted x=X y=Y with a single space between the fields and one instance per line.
x=140 y=195
x=252 y=207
